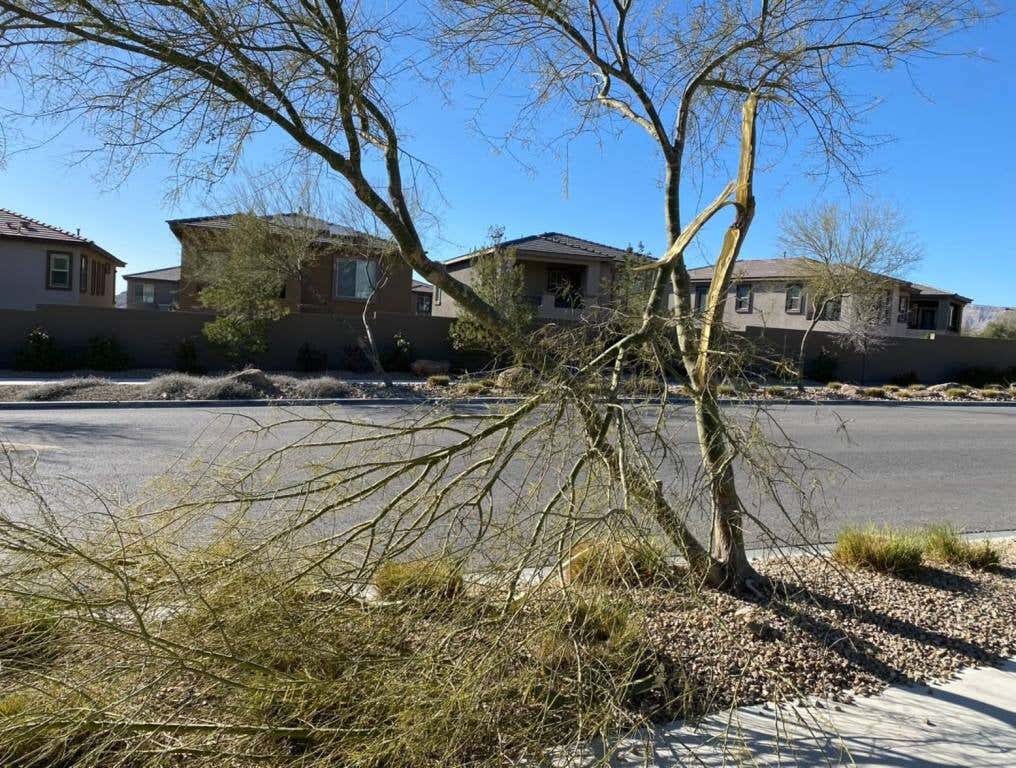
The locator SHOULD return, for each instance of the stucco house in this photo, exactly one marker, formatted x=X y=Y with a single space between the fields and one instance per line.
x=44 y=264
x=346 y=271
x=155 y=289
x=564 y=276
x=772 y=293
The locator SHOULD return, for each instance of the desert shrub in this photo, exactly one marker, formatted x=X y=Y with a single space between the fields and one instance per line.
x=727 y=390
x=427 y=579
x=884 y=550
x=399 y=355
x=224 y=388
x=104 y=353
x=186 y=353
x=915 y=387
x=518 y=379
x=776 y=391
x=891 y=387
x=821 y=368
x=310 y=359
x=355 y=359
x=58 y=390
x=439 y=380
x=982 y=376
x=619 y=562
x=903 y=394
x=942 y=543
x=877 y=392
x=40 y=353
x=990 y=393
x=957 y=392
x=473 y=387
x=172 y=386
x=834 y=385
x=908 y=379
x=644 y=386
x=320 y=387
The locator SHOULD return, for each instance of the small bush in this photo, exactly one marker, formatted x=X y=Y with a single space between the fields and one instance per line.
x=882 y=550
x=399 y=356
x=903 y=394
x=915 y=387
x=321 y=387
x=834 y=385
x=473 y=388
x=104 y=353
x=777 y=391
x=956 y=393
x=877 y=392
x=989 y=393
x=58 y=390
x=518 y=379
x=310 y=359
x=943 y=544
x=439 y=380
x=40 y=353
x=419 y=579
x=187 y=356
x=727 y=390
x=172 y=386
x=619 y=562
x=891 y=387
x=224 y=388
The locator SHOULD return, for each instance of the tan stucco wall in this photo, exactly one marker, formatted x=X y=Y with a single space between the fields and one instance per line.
x=24 y=282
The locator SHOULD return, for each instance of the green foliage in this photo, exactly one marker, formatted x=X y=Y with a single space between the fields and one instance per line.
x=1002 y=327
x=943 y=544
x=615 y=562
x=499 y=281
x=884 y=550
x=40 y=353
x=243 y=272
x=419 y=579
x=104 y=353
x=399 y=356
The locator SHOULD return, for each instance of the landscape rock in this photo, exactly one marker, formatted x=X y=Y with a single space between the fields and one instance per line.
x=943 y=387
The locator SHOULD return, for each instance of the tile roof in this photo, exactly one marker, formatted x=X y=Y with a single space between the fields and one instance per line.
x=421 y=287
x=328 y=230
x=168 y=274
x=556 y=244
x=20 y=227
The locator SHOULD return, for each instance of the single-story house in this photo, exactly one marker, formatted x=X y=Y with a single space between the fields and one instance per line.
x=155 y=289
x=347 y=270
x=563 y=275
x=423 y=297
x=44 y=264
x=773 y=293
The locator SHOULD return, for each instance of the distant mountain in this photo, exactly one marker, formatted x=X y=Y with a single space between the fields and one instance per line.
x=121 y=300
x=976 y=316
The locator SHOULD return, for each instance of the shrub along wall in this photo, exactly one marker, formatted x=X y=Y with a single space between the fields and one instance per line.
x=152 y=339
x=943 y=358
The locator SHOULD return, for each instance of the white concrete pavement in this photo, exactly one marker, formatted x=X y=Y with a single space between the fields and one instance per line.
x=969 y=722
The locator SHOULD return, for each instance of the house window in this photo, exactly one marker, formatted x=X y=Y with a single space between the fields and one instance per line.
x=566 y=285
x=832 y=310
x=423 y=305
x=794 y=303
x=148 y=293
x=955 y=318
x=82 y=273
x=903 y=310
x=437 y=295
x=701 y=292
x=743 y=301
x=58 y=271
x=354 y=278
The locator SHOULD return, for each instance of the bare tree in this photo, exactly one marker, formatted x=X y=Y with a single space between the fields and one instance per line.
x=852 y=260
x=699 y=80
x=206 y=77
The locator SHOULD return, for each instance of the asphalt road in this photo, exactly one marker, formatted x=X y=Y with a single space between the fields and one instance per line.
x=892 y=465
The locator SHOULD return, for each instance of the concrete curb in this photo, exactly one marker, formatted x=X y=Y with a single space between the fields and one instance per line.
x=63 y=405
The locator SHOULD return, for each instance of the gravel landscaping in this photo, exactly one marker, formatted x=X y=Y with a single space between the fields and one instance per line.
x=837 y=633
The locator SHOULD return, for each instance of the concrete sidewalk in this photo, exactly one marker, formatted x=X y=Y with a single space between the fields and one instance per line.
x=969 y=722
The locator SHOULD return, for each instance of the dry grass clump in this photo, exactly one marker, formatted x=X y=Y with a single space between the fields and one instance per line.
x=429 y=578
x=876 y=392
x=28 y=633
x=439 y=380
x=955 y=393
x=915 y=387
x=776 y=391
x=320 y=387
x=473 y=388
x=518 y=379
x=891 y=387
x=172 y=386
x=834 y=385
x=943 y=544
x=991 y=393
x=903 y=394
x=644 y=386
x=617 y=562
x=884 y=550
x=58 y=390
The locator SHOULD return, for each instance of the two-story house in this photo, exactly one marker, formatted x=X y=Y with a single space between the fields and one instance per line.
x=563 y=276
x=155 y=289
x=44 y=264
x=774 y=293
x=349 y=266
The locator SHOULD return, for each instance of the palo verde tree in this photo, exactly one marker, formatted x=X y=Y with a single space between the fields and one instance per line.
x=851 y=260
x=703 y=80
x=205 y=77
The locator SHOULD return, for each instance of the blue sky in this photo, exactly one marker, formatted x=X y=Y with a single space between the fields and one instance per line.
x=951 y=169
